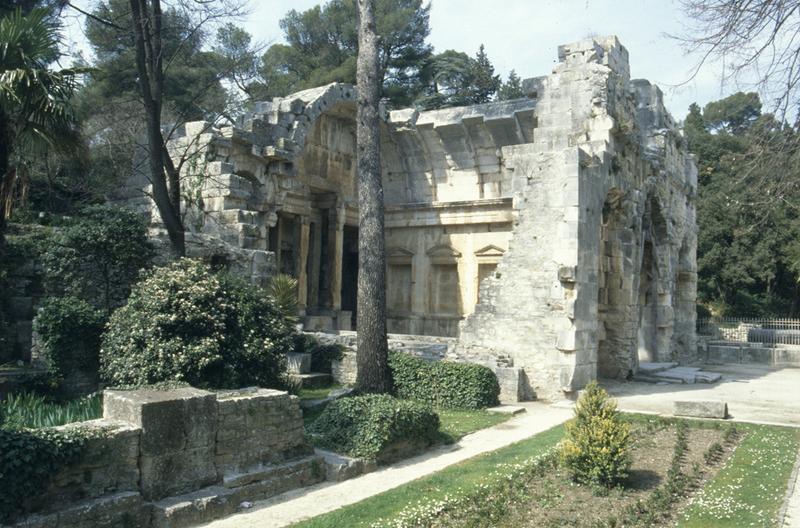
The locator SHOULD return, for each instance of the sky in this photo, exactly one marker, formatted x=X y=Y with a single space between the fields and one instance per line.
x=524 y=34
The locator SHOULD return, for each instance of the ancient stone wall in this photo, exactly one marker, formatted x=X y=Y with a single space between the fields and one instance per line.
x=177 y=458
x=554 y=234
x=606 y=187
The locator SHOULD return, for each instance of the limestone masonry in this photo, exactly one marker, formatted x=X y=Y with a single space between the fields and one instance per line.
x=553 y=235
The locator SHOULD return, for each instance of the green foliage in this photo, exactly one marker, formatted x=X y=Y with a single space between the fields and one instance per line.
x=35 y=108
x=283 y=290
x=321 y=46
x=748 y=254
x=98 y=256
x=459 y=80
x=442 y=383
x=365 y=426
x=321 y=355
x=597 y=447
x=184 y=323
x=28 y=459
x=191 y=87
x=70 y=331
x=511 y=89
x=32 y=411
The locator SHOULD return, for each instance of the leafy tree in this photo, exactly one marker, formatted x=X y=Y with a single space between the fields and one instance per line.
x=459 y=80
x=511 y=89
x=35 y=111
x=153 y=59
x=322 y=44
x=373 y=348
x=748 y=259
x=98 y=256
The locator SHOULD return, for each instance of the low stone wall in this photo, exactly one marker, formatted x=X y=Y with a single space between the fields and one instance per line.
x=178 y=457
x=720 y=352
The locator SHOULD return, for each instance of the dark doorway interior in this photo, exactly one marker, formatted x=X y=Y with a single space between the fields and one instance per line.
x=350 y=271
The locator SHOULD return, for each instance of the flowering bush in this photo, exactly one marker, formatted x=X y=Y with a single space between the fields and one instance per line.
x=185 y=323
x=597 y=447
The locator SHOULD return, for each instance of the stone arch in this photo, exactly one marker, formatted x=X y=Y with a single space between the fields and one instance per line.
x=654 y=319
x=616 y=356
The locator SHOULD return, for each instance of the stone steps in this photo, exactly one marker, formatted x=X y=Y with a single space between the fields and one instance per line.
x=669 y=373
x=313 y=380
x=218 y=501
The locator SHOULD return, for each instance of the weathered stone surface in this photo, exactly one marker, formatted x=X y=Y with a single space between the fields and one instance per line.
x=125 y=509
x=701 y=409
x=298 y=363
x=178 y=436
x=340 y=468
x=257 y=428
x=109 y=465
x=555 y=233
x=314 y=380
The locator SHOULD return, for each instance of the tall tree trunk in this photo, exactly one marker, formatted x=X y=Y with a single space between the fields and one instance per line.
x=147 y=33
x=373 y=368
x=6 y=183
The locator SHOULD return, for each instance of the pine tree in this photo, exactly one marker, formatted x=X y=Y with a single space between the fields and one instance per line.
x=484 y=82
x=511 y=89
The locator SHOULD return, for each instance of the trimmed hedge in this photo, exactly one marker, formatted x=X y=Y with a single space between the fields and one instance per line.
x=372 y=425
x=444 y=383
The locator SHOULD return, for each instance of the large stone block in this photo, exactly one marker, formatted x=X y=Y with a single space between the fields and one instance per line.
x=701 y=409
x=178 y=436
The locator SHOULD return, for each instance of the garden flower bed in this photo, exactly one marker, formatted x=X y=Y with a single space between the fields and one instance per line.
x=689 y=473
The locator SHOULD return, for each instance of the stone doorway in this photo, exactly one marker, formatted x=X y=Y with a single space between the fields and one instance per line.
x=350 y=272
x=617 y=317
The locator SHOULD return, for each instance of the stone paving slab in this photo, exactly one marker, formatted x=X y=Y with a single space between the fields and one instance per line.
x=301 y=504
x=506 y=409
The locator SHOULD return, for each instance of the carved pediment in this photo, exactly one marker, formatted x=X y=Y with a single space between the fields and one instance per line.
x=444 y=253
x=398 y=255
x=490 y=251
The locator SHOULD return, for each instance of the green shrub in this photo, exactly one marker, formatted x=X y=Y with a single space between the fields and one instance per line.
x=184 y=323
x=34 y=411
x=367 y=426
x=322 y=356
x=70 y=330
x=28 y=459
x=597 y=447
x=97 y=256
x=283 y=289
x=443 y=383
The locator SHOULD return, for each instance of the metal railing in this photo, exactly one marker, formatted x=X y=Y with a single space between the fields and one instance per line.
x=751 y=330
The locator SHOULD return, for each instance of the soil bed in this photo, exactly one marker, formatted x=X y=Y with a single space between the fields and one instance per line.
x=550 y=499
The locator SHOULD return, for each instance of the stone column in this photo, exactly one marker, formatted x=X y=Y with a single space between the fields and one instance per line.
x=337 y=245
x=302 y=265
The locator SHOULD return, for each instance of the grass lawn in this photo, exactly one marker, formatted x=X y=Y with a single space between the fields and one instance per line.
x=468 y=474
x=741 y=477
x=750 y=489
x=455 y=424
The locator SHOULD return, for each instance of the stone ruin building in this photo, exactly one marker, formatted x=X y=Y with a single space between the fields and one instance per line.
x=554 y=235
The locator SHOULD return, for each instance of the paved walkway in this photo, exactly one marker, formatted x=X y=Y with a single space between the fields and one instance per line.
x=304 y=503
x=791 y=516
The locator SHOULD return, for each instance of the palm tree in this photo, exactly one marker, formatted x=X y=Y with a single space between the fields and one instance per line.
x=35 y=111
